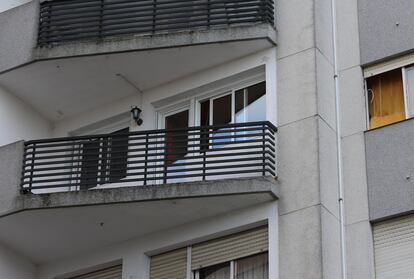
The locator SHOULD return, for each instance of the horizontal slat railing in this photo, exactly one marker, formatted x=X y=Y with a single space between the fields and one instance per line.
x=149 y=157
x=70 y=20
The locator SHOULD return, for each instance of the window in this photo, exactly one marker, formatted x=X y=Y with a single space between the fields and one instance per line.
x=243 y=105
x=394 y=248
x=239 y=256
x=114 y=272
x=220 y=271
x=390 y=97
x=253 y=267
x=240 y=106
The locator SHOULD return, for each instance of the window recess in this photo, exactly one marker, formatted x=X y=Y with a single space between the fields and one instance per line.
x=390 y=97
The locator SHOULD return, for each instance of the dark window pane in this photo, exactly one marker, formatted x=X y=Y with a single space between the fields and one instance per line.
x=222 y=110
x=176 y=142
x=117 y=160
x=90 y=164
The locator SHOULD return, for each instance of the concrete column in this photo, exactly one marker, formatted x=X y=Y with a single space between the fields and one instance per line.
x=10 y=172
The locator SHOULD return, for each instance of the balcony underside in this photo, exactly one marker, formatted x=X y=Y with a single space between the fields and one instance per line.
x=261 y=32
x=63 y=88
x=56 y=219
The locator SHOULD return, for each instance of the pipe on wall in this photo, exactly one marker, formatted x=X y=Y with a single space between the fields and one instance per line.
x=341 y=200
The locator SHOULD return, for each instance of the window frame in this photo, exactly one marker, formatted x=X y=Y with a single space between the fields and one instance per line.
x=232 y=89
x=193 y=102
x=406 y=98
x=196 y=273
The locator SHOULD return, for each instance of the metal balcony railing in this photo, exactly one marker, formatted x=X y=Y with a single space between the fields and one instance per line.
x=69 y=20
x=149 y=157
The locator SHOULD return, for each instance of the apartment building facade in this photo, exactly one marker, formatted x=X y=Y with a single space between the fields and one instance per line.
x=197 y=139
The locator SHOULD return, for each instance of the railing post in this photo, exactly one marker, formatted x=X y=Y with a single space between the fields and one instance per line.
x=101 y=19
x=204 y=152
x=154 y=14
x=264 y=149
x=165 y=158
x=208 y=13
x=32 y=169
x=146 y=160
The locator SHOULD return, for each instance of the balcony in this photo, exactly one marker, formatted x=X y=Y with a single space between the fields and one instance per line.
x=145 y=182
x=154 y=157
x=71 y=20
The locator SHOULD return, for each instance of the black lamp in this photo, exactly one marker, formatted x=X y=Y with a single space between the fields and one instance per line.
x=136 y=115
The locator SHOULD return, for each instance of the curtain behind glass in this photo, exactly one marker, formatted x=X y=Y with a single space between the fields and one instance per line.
x=256 y=267
x=386 y=99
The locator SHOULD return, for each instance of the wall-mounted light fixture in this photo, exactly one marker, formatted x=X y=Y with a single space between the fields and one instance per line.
x=136 y=115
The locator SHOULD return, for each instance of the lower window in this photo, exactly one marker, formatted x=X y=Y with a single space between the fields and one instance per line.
x=253 y=267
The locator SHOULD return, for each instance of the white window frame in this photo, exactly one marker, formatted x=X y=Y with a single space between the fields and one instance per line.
x=193 y=103
x=163 y=115
x=407 y=99
x=231 y=89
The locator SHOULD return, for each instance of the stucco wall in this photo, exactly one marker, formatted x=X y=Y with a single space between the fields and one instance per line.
x=18 y=33
x=390 y=169
x=385 y=28
x=14 y=266
x=178 y=91
x=20 y=120
x=134 y=253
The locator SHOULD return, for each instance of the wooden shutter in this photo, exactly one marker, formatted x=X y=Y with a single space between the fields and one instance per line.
x=229 y=248
x=114 y=272
x=171 y=265
x=394 y=248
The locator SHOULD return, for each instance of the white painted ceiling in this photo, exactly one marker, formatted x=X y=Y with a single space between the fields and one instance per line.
x=52 y=234
x=75 y=85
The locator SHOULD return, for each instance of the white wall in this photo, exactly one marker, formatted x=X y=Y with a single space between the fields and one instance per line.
x=8 y=4
x=265 y=58
x=13 y=266
x=19 y=121
x=133 y=253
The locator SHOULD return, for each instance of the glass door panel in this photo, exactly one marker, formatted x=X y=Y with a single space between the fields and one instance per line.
x=221 y=115
x=251 y=103
x=176 y=142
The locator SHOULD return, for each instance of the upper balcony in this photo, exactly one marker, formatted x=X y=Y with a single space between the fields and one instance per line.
x=73 y=20
x=51 y=29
